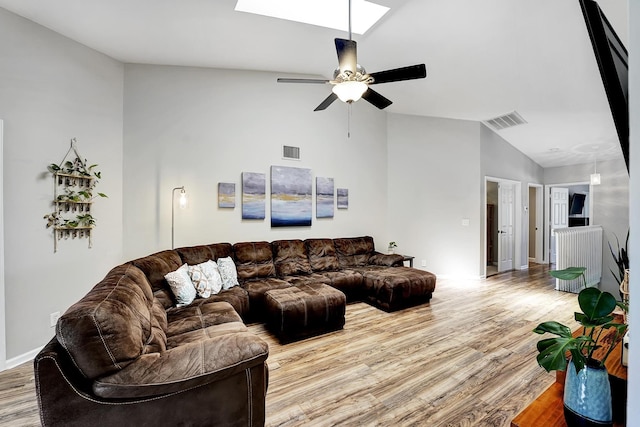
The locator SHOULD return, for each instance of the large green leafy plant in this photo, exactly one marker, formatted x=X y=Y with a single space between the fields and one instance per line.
x=596 y=316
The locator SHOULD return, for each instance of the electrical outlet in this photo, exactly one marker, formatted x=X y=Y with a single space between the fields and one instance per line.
x=423 y=263
x=53 y=318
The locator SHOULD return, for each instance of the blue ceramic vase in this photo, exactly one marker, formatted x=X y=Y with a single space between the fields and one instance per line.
x=587 y=396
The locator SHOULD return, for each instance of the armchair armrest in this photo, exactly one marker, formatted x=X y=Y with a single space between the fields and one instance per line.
x=184 y=367
x=387 y=260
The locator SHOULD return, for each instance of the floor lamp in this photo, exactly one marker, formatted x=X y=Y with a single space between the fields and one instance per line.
x=182 y=203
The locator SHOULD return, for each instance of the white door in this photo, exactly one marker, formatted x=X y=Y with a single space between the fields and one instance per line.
x=506 y=223
x=559 y=215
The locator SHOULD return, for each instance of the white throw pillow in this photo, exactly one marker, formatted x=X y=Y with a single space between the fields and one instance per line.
x=181 y=285
x=228 y=272
x=206 y=278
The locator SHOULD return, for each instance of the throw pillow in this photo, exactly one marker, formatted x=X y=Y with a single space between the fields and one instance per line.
x=206 y=278
x=181 y=286
x=228 y=272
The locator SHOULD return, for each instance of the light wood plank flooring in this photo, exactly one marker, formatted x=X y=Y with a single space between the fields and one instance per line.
x=465 y=359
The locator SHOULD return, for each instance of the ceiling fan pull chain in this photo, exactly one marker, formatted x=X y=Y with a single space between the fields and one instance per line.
x=349 y=121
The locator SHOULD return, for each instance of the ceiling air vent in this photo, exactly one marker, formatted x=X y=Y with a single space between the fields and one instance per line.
x=290 y=153
x=506 y=121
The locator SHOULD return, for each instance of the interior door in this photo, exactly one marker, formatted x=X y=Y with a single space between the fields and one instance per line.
x=559 y=215
x=506 y=223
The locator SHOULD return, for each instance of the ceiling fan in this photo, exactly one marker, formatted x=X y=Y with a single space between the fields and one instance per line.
x=350 y=80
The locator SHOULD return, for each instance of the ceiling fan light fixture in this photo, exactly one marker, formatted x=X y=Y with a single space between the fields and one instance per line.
x=350 y=91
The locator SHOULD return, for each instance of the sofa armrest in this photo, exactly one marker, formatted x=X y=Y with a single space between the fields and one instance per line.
x=387 y=260
x=184 y=367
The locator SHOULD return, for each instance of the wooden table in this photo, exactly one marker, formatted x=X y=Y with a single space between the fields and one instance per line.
x=408 y=258
x=548 y=411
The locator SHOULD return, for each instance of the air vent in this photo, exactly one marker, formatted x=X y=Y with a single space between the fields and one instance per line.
x=506 y=121
x=290 y=153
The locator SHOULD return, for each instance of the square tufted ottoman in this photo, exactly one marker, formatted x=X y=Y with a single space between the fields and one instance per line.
x=302 y=311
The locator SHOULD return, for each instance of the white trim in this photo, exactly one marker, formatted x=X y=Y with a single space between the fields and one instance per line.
x=3 y=340
x=26 y=357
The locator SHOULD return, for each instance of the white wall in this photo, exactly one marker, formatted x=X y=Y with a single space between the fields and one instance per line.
x=434 y=183
x=633 y=409
x=610 y=206
x=197 y=127
x=53 y=89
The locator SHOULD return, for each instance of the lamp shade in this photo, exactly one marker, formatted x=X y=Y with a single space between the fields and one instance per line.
x=349 y=91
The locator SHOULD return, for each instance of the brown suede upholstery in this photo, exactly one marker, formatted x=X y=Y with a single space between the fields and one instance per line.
x=302 y=311
x=125 y=354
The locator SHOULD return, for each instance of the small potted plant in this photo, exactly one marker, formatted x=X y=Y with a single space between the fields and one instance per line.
x=392 y=247
x=587 y=393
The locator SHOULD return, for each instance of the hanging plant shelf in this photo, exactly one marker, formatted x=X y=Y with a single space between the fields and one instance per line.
x=73 y=195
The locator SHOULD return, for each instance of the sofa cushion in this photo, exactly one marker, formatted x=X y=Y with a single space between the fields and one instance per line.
x=109 y=327
x=194 y=317
x=236 y=296
x=290 y=258
x=198 y=254
x=354 y=251
x=155 y=267
x=186 y=367
x=181 y=286
x=254 y=260
x=158 y=339
x=322 y=254
x=228 y=273
x=206 y=278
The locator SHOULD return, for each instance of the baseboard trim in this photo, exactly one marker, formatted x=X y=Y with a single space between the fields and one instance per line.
x=19 y=360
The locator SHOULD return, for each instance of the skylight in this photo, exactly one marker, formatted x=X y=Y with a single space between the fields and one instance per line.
x=325 y=13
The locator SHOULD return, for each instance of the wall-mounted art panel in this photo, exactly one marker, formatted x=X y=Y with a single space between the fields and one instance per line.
x=343 y=198
x=253 y=195
x=226 y=195
x=324 y=197
x=291 y=194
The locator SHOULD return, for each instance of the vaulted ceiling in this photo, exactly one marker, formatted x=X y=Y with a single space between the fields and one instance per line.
x=484 y=58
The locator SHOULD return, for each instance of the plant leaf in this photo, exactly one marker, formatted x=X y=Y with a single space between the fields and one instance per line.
x=596 y=304
x=568 y=273
x=553 y=327
x=585 y=321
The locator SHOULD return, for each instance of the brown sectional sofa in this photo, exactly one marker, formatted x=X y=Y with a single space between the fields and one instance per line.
x=126 y=355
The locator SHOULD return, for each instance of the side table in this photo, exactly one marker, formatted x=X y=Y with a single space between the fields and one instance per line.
x=408 y=258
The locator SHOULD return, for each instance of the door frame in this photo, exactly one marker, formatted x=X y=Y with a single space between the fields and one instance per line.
x=538 y=257
x=547 y=214
x=518 y=237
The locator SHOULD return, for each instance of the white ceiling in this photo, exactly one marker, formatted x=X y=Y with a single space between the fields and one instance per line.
x=484 y=58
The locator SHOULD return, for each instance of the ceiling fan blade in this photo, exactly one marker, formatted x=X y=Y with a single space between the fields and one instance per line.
x=405 y=73
x=328 y=100
x=347 y=55
x=376 y=99
x=315 y=81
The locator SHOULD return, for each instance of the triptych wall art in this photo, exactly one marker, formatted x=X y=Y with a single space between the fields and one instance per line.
x=291 y=196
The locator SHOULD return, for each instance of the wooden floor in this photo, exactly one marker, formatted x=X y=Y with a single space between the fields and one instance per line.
x=465 y=359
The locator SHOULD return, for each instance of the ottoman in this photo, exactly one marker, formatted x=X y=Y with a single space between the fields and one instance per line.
x=302 y=311
x=396 y=288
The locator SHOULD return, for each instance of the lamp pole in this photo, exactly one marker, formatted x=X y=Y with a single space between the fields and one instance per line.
x=173 y=207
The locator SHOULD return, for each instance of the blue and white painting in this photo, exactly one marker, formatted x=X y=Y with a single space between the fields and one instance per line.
x=253 y=195
x=343 y=198
x=324 y=197
x=226 y=195
x=291 y=194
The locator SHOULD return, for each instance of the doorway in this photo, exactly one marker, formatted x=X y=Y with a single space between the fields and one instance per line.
x=535 y=235
x=570 y=205
x=3 y=345
x=502 y=234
